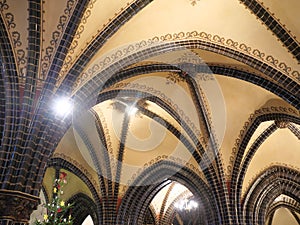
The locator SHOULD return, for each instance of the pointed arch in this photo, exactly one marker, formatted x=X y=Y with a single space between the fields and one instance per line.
x=139 y=195
x=64 y=164
x=83 y=206
x=265 y=189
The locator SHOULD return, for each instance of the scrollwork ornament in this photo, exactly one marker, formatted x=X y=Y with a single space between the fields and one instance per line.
x=229 y=43
x=272 y=60
x=166 y=37
x=205 y=36
x=62 y=22
x=173 y=78
x=117 y=55
x=16 y=39
x=10 y=20
x=86 y=16
x=284 y=67
x=296 y=74
x=232 y=43
x=3 y=5
x=79 y=31
x=21 y=56
x=245 y=48
x=73 y=46
x=179 y=35
x=55 y=37
x=219 y=39
x=258 y=54
x=130 y=48
x=69 y=8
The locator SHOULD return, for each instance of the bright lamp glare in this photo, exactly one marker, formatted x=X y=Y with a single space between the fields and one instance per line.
x=63 y=106
x=132 y=110
x=185 y=204
x=193 y=204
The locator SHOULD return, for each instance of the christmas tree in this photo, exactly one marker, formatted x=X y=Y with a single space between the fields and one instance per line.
x=58 y=212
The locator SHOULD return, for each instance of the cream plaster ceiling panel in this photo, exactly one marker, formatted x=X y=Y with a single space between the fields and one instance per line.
x=20 y=13
x=72 y=149
x=97 y=16
x=283 y=216
x=73 y=145
x=147 y=140
x=111 y=120
x=163 y=144
x=288 y=14
x=176 y=94
x=239 y=107
x=54 y=17
x=48 y=179
x=14 y=14
x=282 y=148
x=52 y=11
x=211 y=58
x=228 y=19
x=214 y=59
x=259 y=130
x=70 y=190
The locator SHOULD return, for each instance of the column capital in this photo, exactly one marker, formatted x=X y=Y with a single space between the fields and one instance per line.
x=17 y=206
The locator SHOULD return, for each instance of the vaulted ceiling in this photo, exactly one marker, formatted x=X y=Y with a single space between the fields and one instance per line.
x=193 y=82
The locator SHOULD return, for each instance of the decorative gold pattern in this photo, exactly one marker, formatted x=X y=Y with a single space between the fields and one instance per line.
x=70 y=59
x=15 y=38
x=194 y=35
x=49 y=51
x=74 y=45
x=174 y=78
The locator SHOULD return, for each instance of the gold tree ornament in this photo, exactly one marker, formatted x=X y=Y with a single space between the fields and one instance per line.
x=58 y=212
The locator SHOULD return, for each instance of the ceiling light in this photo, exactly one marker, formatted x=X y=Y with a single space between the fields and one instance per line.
x=131 y=110
x=185 y=204
x=126 y=105
x=63 y=106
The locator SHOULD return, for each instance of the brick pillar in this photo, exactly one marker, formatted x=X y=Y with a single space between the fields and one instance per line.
x=16 y=207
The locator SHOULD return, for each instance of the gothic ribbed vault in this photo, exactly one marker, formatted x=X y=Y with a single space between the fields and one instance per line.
x=172 y=100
